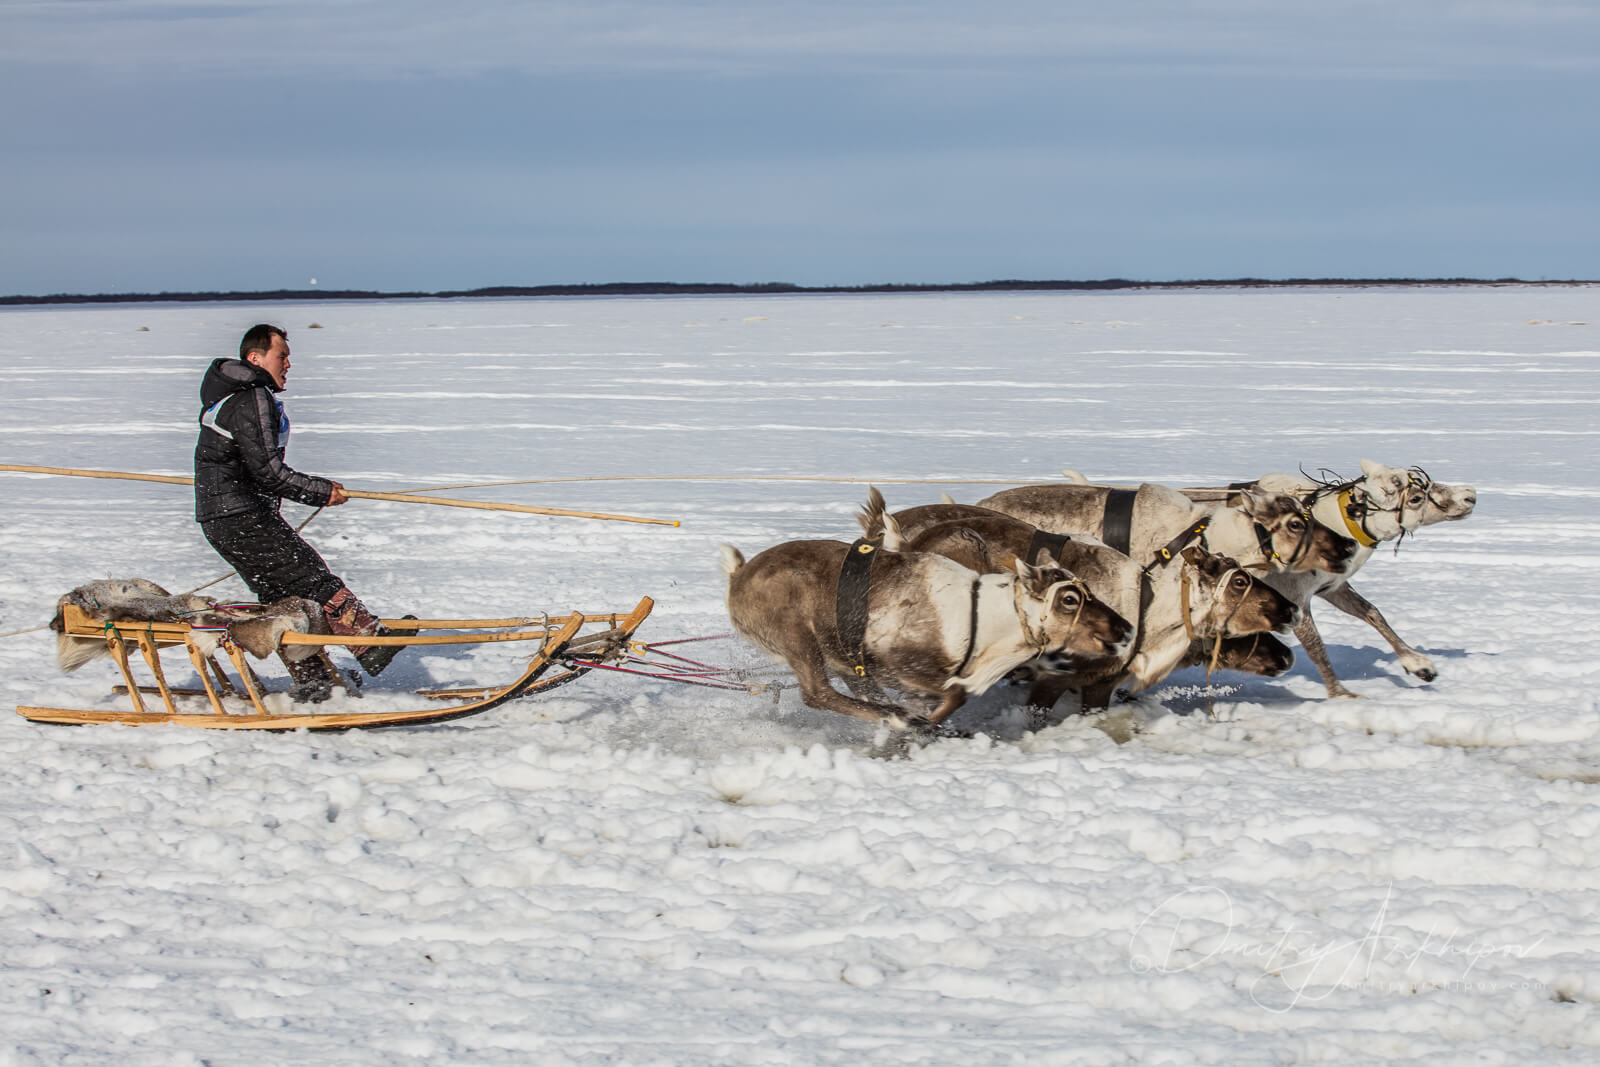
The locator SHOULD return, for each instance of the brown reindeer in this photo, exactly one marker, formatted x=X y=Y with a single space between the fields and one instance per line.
x=934 y=630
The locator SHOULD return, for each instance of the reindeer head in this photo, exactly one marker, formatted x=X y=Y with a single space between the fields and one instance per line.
x=1388 y=502
x=1257 y=654
x=1290 y=539
x=1064 y=618
x=1230 y=601
x=1441 y=503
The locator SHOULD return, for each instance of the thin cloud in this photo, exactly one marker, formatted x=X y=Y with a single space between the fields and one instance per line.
x=733 y=37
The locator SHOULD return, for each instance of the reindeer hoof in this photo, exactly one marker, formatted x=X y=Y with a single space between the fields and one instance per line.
x=1344 y=694
x=1427 y=674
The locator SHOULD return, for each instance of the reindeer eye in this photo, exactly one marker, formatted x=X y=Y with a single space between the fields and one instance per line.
x=1067 y=600
x=1240 y=581
x=1296 y=525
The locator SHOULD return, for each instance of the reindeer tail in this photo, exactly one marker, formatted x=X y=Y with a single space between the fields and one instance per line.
x=871 y=515
x=893 y=539
x=732 y=559
x=1075 y=477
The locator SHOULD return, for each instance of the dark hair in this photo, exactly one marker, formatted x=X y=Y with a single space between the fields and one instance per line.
x=258 y=338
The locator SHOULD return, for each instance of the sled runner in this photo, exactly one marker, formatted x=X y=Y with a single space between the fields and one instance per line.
x=574 y=644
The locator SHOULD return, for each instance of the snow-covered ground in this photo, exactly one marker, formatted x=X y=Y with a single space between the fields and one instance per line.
x=631 y=872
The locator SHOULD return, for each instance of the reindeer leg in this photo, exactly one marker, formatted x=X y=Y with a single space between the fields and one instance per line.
x=1353 y=603
x=864 y=689
x=1097 y=697
x=817 y=692
x=1047 y=688
x=954 y=697
x=1317 y=652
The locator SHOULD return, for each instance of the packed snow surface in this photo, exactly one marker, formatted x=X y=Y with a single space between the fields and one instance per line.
x=630 y=871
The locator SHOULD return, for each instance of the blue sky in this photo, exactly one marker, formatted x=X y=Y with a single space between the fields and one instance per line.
x=399 y=144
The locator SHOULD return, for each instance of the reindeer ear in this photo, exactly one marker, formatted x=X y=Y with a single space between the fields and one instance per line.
x=1249 y=501
x=1029 y=575
x=1196 y=555
x=1386 y=484
x=1038 y=580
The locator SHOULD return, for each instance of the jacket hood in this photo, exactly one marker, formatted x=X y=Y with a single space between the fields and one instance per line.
x=227 y=376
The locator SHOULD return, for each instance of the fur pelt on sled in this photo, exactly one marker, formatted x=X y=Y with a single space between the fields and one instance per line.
x=255 y=628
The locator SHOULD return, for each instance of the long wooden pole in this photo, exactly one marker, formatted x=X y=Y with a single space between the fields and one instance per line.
x=404 y=498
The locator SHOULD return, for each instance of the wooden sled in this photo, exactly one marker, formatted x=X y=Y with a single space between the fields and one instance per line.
x=240 y=706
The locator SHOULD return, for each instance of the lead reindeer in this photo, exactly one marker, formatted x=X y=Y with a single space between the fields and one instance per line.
x=935 y=630
x=1384 y=504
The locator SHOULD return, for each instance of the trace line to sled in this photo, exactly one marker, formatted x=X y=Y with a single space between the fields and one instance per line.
x=831 y=479
x=358 y=494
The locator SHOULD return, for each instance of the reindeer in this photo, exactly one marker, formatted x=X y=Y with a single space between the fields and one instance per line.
x=933 y=629
x=1193 y=600
x=1384 y=504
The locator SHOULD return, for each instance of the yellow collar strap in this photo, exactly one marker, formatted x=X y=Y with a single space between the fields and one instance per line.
x=1364 y=539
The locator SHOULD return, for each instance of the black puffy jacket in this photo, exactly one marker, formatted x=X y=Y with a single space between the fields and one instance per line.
x=238 y=461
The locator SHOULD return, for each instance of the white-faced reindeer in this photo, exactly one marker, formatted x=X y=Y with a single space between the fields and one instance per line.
x=933 y=629
x=1190 y=599
x=1384 y=504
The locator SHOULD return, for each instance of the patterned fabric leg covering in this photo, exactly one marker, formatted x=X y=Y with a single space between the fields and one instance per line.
x=348 y=617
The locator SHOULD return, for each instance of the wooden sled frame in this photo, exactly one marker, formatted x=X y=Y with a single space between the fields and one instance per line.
x=558 y=636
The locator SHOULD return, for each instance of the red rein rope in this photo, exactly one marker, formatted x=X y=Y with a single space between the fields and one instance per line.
x=680 y=669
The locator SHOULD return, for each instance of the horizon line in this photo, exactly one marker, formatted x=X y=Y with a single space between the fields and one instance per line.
x=759 y=288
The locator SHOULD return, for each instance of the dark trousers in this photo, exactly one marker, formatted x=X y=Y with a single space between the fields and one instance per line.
x=273 y=560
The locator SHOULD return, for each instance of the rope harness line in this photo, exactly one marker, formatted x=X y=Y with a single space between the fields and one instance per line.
x=672 y=667
x=822 y=478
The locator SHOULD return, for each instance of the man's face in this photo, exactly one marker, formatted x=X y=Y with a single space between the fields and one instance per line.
x=275 y=360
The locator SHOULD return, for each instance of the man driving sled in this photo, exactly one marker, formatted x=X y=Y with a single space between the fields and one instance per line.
x=240 y=480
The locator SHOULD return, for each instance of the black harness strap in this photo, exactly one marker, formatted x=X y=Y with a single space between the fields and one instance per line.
x=1167 y=551
x=1117 y=531
x=850 y=611
x=972 y=632
x=1264 y=543
x=1051 y=543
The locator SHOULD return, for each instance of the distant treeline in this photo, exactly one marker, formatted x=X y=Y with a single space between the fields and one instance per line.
x=763 y=288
